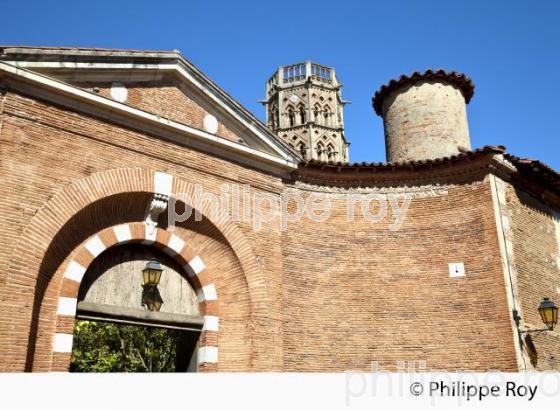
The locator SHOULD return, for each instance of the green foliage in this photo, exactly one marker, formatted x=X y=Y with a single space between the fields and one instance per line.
x=108 y=347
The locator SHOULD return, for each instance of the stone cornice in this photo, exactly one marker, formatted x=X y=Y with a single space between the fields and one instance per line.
x=71 y=60
x=463 y=168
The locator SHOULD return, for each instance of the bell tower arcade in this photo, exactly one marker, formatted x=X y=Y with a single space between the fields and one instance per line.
x=304 y=107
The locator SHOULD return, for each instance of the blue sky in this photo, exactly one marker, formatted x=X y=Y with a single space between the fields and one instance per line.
x=511 y=50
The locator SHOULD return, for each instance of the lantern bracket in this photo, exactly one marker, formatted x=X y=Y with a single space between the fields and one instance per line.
x=517 y=320
x=157 y=205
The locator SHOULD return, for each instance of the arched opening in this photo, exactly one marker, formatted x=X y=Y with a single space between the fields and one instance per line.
x=330 y=152
x=272 y=121
x=320 y=151
x=316 y=114
x=302 y=150
x=326 y=115
x=114 y=330
x=55 y=271
x=291 y=117
x=302 y=116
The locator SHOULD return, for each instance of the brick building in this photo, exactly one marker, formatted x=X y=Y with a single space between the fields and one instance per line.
x=99 y=148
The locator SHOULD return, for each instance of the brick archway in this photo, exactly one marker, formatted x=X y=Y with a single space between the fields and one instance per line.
x=25 y=270
x=172 y=244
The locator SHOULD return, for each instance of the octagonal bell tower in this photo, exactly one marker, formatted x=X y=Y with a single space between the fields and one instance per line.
x=304 y=108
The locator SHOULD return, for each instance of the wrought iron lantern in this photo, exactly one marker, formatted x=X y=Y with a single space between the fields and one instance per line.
x=549 y=313
x=150 y=293
x=152 y=299
x=152 y=273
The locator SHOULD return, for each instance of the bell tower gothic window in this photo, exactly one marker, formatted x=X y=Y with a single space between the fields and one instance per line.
x=304 y=101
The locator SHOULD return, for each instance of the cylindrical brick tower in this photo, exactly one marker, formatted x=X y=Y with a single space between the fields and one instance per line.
x=425 y=115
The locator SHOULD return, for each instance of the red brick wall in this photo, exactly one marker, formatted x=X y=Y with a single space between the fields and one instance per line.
x=317 y=297
x=358 y=293
x=535 y=257
x=45 y=152
x=172 y=100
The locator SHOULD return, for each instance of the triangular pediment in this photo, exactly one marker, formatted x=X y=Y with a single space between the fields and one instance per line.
x=162 y=84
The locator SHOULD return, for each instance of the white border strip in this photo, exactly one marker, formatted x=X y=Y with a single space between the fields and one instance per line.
x=207 y=293
x=122 y=232
x=196 y=265
x=496 y=195
x=67 y=306
x=95 y=246
x=63 y=343
x=207 y=354
x=176 y=244
x=163 y=183
x=211 y=323
x=74 y=271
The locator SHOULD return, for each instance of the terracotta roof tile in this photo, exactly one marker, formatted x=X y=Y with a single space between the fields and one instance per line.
x=529 y=171
x=460 y=80
x=497 y=149
x=536 y=170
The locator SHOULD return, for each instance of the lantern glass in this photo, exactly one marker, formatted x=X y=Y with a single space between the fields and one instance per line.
x=549 y=313
x=152 y=299
x=152 y=273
